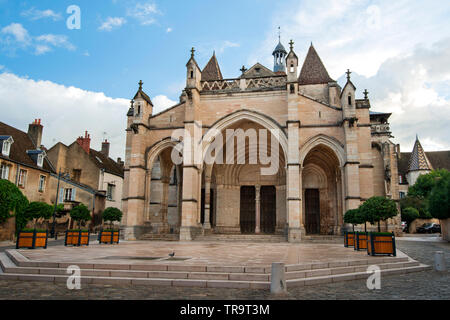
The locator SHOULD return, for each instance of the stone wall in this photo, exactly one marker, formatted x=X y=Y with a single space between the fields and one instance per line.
x=419 y=222
x=7 y=230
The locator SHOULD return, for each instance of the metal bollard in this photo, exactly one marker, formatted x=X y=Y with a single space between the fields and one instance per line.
x=439 y=261
x=278 y=279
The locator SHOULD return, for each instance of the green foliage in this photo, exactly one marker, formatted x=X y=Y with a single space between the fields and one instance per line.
x=421 y=205
x=80 y=213
x=37 y=210
x=425 y=183
x=12 y=201
x=112 y=214
x=378 y=209
x=410 y=214
x=439 y=199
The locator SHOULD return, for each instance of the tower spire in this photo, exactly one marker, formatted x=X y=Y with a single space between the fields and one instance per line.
x=279 y=55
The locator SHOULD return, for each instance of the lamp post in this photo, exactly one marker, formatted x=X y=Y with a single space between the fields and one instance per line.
x=53 y=233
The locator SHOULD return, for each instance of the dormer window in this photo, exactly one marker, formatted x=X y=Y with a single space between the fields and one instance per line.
x=6 y=142
x=40 y=160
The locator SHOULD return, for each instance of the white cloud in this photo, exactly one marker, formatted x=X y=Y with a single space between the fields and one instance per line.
x=161 y=103
x=56 y=41
x=112 y=23
x=66 y=112
x=35 y=14
x=15 y=36
x=19 y=33
x=168 y=30
x=414 y=88
x=144 y=12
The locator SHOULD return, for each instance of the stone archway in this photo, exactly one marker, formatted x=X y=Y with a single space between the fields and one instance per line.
x=322 y=190
x=227 y=180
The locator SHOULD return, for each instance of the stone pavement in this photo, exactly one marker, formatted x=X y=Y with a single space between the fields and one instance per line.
x=420 y=285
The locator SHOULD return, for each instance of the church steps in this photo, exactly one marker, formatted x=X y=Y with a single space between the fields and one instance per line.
x=250 y=277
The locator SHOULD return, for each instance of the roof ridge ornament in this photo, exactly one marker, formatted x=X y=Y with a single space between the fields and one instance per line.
x=291 y=44
x=192 y=52
x=348 y=74
x=366 y=94
x=140 y=85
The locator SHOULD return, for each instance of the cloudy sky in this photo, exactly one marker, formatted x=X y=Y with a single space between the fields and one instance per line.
x=78 y=79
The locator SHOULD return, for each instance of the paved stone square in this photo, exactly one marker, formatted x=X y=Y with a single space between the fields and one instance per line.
x=432 y=285
x=200 y=253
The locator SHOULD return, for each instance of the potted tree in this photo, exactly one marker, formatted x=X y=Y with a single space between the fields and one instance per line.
x=77 y=237
x=110 y=235
x=374 y=210
x=349 y=237
x=34 y=238
x=12 y=204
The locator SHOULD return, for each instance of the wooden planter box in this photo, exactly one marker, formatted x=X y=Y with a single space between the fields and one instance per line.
x=361 y=241
x=349 y=239
x=109 y=237
x=77 y=238
x=381 y=244
x=32 y=239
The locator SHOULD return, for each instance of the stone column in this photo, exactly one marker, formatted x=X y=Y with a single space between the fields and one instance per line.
x=206 y=222
x=258 y=209
x=165 y=180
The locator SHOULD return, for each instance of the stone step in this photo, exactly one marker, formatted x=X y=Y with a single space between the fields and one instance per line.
x=19 y=260
x=160 y=237
x=242 y=237
x=246 y=274
x=210 y=283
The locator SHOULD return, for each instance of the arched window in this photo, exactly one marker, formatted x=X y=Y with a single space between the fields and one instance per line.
x=349 y=99
x=192 y=74
x=292 y=88
x=292 y=67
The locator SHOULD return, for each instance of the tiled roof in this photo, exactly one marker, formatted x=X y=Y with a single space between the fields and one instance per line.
x=258 y=70
x=106 y=163
x=313 y=71
x=418 y=159
x=438 y=160
x=212 y=70
x=22 y=144
x=144 y=96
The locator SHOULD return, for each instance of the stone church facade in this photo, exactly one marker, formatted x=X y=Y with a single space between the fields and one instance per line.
x=333 y=153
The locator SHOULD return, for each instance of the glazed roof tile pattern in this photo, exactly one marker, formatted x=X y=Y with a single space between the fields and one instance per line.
x=313 y=71
x=418 y=159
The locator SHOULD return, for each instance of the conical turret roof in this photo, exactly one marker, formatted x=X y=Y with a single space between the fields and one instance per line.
x=212 y=70
x=418 y=159
x=313 y=70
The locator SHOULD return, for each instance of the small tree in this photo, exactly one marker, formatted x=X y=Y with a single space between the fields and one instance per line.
x=439 y=201
x=378 y=209
x=354 y=217
x=38 y=210
x=410 y=214
x=12 y=201
x=80 y=214
x=112 y=214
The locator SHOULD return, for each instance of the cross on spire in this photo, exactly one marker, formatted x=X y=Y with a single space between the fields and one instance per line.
x=279 y=34
x=366 y=93
x=291 y=44
x=140 y=84
x=243 y=69
x=348 y=74
x=192 y=52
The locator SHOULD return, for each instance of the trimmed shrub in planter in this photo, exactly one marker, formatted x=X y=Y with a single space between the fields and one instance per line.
x=32 y=239
x=361 y=241
x=349 y=239
x=381 y=243
x=109 y=236
x=77 y=238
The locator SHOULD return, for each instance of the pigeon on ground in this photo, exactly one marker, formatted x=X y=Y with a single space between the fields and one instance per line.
x=172 y=254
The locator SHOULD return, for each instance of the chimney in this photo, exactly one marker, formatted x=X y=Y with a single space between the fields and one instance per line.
x=120 y=162
x=105 y=148
x=35 y=132
x=85 y=142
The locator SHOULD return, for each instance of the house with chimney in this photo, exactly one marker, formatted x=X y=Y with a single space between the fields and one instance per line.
x=89 y=168
x=23 y=161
